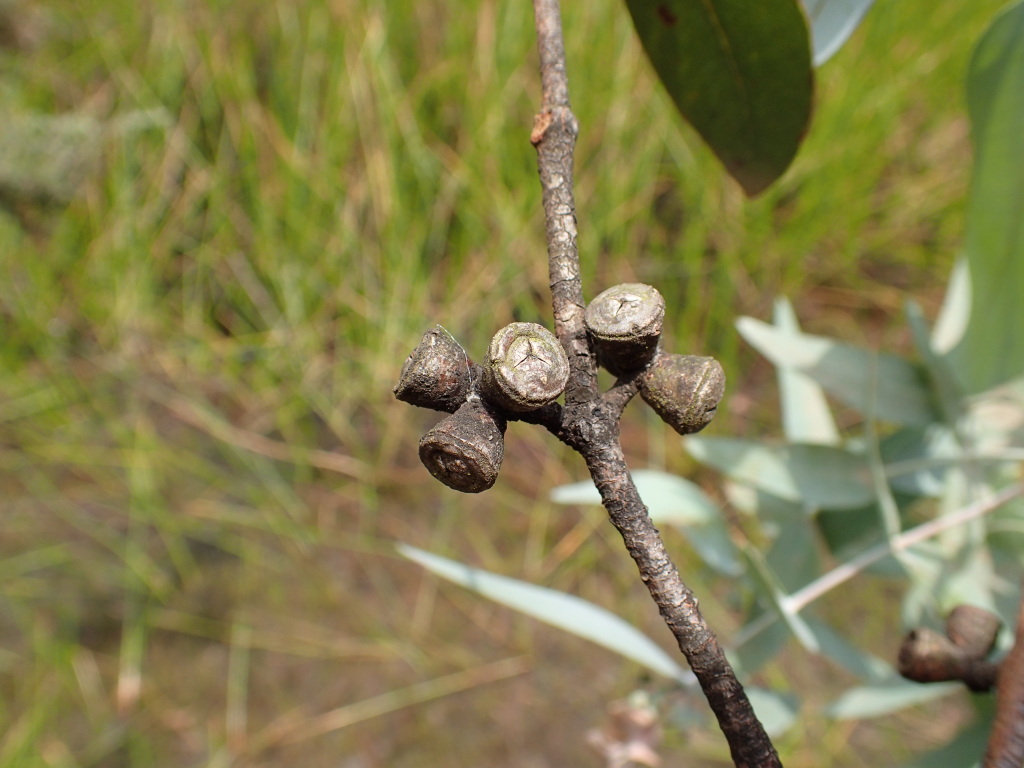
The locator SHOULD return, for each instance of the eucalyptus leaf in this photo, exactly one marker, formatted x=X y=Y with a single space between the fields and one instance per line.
x=769 y=509
x=836 y=648
x=567 y=612
x=832 y=23
x=806 y=417
x=772 y=590
x=714 y=545
x=815 y=475
x=776 y=711
x=793 y=556
x=676 y=501
x=757 y=649
x=860 y=378
x=739 y=72
x=886 y=697
x=669 y=498
x=956 y=309
x=990 y=352
x=916 y=458
x=945 y=384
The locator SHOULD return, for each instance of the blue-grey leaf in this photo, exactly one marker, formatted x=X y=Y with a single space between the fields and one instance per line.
x=886 y=697
x=669 y=498
x=776 y=711
x=673 y=500
x=855 y=661
x=815 y=475
x=806 y=417
x=714 y=545
x=770 y=589
x=916 y=458
x=761 y=647
x=859 y=377
x=956 y=309
x=567 y=612
x=832 y=23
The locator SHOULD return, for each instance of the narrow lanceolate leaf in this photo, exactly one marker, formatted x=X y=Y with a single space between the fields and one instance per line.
x=991 y=352
x=739 y=72
x=892 y=387
x=559 y=609
x=832 y=23
x=884 y=697
x=776 y=711
x=669 y=498
x=673 y=500
x=817 y=476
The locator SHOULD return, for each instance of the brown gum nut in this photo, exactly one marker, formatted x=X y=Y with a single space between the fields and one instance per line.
x=625 y=323
x=526 y=367
x=437 y=373
x=684 y=390
x=973 y=629
x=928 y=657
x=464 y=451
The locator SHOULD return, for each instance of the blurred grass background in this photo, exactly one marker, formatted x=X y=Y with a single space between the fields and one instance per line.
x=211 y=269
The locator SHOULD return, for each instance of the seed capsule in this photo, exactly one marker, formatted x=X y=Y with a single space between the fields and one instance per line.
x=464 y=451
x=684 y=390
x=973 y=629
x=437 y=373
x=625 y=323
x=526 y=367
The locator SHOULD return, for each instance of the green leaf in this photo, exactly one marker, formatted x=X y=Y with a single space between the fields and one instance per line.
x=832 y=23
x=567 y=612
x=806 y=417
x=886 y=697
x=816 y=475
x=739 y=72
x=991 y=352
x=850 y=373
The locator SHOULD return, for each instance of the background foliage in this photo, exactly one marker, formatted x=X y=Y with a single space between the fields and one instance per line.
x=204 y=308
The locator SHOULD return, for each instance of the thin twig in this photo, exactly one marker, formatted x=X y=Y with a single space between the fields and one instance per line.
x=825 y=583
x=589 y=422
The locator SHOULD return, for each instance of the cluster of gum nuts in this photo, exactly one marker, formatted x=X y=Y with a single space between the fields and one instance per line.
x=526 y=368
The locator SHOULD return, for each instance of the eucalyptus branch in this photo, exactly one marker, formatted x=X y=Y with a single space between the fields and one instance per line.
x=527 y=368
x=900 y=543
x=590 y=423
